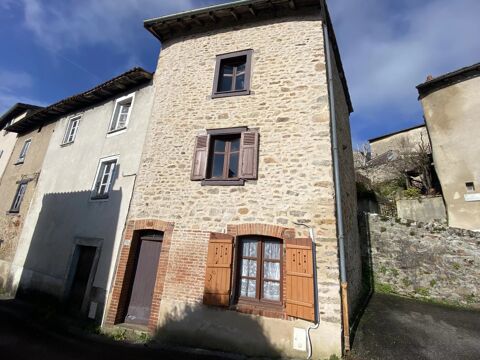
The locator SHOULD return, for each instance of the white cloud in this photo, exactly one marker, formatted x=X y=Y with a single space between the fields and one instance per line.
x=389 y=47
x=71 y=24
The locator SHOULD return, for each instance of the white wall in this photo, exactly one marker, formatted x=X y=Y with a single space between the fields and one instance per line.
x=62 y=211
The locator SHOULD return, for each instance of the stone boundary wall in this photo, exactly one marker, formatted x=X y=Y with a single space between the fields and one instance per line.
x=430 y=261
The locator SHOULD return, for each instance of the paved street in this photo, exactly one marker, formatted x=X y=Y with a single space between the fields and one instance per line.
x=22 y=339
x=396 y=328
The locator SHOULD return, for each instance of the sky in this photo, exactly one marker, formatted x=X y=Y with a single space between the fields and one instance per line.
x=52 y=49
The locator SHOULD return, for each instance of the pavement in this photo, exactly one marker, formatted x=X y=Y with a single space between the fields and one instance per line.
x=394 y=327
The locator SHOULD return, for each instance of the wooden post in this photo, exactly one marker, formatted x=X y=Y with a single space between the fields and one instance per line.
x=346 y=322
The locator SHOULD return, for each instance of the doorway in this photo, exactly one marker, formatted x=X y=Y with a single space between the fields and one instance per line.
x=144 y=277
x=83 y=263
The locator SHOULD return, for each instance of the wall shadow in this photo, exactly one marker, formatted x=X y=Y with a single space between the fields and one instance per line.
x=65 y=222
x=206 y=327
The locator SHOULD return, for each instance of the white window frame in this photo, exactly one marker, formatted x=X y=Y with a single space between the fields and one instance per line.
x=119 y=102
x=18 y=199
x=24 y=151
x=94 y=192
x=68 y=131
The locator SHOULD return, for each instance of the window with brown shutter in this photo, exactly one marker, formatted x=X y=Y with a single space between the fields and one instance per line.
x=226 y=156
x=299 y=281
x=218 y=277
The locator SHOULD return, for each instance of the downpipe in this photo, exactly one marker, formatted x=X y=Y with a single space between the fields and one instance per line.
x=316 y=323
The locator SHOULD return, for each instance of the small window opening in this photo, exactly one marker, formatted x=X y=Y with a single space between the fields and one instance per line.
x=470 y=186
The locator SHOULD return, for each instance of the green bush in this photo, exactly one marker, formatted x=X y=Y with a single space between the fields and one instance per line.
x=412 y=193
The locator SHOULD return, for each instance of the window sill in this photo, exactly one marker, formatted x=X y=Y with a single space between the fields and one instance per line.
x=216 y=95
x=99 y=198
x=67 y=144
x=19 y=162
x=116 y=131
x=235 y=182
x=13 y=212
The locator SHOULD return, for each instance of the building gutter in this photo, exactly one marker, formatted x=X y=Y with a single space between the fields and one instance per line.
x=338 y=186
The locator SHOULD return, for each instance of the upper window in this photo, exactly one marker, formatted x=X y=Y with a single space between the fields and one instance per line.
x=232 y=74
x=71 y=131
x=104 y=179
x=17 y=200
x=260 y=275
x=23 y=152
x=226 y=156
x=121 y=113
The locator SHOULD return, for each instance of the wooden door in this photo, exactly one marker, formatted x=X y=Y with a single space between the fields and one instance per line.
x=144 y=280
x=86 y=256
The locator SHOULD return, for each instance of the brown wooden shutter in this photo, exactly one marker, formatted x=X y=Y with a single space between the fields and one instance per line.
x=218 y=278
x=299 y=286
x=200 y=156
x=249 y=155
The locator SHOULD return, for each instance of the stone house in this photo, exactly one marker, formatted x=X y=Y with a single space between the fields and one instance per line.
x=399 y=141
x=17 y=185
x=70 y=238
x=451 y=106
x=248 y=146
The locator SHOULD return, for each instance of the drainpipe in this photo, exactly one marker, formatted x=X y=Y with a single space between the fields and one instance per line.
x=338 y=186
x=315 y=289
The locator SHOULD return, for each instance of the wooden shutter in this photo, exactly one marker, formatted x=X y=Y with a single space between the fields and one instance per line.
x=218 y=278
x=200 y=156
x=249 y=155
x=299 y=284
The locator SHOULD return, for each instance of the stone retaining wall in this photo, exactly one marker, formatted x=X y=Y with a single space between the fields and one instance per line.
x=429 y=261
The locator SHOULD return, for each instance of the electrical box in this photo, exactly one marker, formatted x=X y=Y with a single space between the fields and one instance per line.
x=299 y=339
x=92 y=311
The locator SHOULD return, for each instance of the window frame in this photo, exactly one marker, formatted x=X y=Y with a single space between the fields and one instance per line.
x=119 y=102
x=248 y=72
x=66 y=136
x=227 y=153
x=24 y=151
x=18 y=198
x=94 y=196
x=258 y=300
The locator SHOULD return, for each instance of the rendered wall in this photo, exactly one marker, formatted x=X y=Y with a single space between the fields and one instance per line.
x=424 y=209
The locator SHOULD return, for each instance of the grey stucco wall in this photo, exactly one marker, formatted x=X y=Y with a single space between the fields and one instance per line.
x=62 y=212
x=425 y=260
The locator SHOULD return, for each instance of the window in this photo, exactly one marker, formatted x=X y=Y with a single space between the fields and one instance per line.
x=226 y=156
x=71 y=131
x=121 y=113
x=17 y=201
x=104 y=179
x=260 y=275
x=470 y=186
x=232 y=74
x=23 y=152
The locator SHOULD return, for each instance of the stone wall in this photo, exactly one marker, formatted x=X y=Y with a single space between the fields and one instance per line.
x=424 y=260
x=424 y=209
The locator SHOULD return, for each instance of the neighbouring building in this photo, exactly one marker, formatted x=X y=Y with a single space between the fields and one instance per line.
x=238 y=155
x=451 y=106
x=70 y=238
x=8 y=139
x=19 y=181
x=399 y=141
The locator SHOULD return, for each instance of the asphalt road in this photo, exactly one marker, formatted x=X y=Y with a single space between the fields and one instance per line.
x=395 y=328
x=21 y=338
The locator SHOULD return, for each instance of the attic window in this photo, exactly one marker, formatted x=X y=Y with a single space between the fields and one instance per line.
x=470 y=187
x=232 y=74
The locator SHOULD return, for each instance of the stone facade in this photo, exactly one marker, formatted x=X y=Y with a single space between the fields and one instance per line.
x=11 y=223
x=424 y=260
x=289 y=108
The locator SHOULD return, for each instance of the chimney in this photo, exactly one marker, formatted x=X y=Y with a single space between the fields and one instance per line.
x=430 y=78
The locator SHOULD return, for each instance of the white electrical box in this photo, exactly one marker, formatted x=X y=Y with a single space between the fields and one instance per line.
x=299 y=339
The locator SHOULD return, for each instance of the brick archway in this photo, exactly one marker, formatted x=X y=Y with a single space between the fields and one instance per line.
x=276 y=231
x=125 y=267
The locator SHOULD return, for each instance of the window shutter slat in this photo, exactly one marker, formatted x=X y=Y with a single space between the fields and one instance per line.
x=218 y=277
x=249 y=155
x=299 y=282
x=199 y=166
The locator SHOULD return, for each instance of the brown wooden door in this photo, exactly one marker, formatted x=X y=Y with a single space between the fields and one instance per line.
x=86 y=256
x=144 y=280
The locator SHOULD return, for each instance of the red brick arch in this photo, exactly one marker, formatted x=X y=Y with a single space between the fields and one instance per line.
x=276 y=231
x=124 y=270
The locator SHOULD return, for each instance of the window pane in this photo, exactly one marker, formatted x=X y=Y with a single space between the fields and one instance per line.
x=250 y=248
x=225 y=83
x=271 y=270
x=233 y=166
x=219 y=145
x=249 y=268
x=217 y=166
x=227 y=69
x=271 y=290
x=243 y=287
x=240 y=82
x=241 y=68
x=272 y=250
x=235 y=145
x=252 y=288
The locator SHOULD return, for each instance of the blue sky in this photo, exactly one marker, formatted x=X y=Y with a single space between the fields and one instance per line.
x=51 y=49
